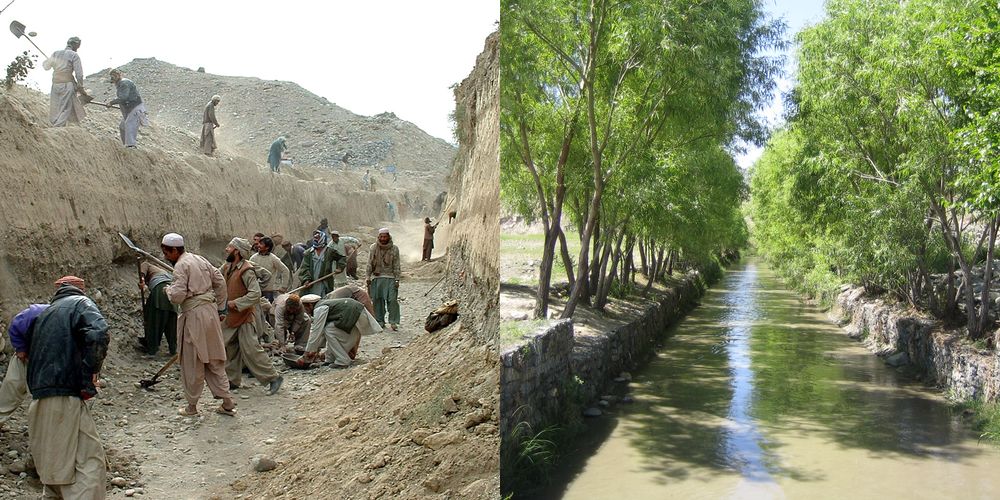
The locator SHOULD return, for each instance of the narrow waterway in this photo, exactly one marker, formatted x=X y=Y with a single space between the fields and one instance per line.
x=757 y=395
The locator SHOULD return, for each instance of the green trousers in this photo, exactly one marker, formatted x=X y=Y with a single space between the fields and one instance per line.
x=384 y=295
x=161 y=320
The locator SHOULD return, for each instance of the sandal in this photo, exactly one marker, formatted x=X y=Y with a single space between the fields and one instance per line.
x=223 y=411
x=184 y=413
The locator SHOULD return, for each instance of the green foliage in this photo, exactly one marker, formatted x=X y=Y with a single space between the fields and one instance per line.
x=634 y=109
x=18 y=69
x=889 y=160
x=985 y=417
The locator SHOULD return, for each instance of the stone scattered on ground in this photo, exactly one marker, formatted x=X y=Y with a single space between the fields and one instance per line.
x=263 y=463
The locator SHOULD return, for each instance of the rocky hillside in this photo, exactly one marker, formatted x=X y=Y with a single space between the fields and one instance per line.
x=318 y=131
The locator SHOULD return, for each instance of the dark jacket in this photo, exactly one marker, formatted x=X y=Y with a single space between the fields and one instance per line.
x=332 y=261
x=66 y=346
x=128 y=96
x=343 y=313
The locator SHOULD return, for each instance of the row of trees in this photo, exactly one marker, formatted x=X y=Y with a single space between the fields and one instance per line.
x=619 y=118
x=887 y=171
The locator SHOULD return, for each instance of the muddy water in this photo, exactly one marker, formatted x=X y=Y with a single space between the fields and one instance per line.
x=758 y=395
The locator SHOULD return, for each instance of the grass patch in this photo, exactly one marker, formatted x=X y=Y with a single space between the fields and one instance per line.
x=511 y=332
x=985 y=417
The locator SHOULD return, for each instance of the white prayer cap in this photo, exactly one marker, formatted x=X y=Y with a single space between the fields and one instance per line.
x=311 y=298
x=216 y=97
x=334 y=233
x=172 y=240
x=384 y=230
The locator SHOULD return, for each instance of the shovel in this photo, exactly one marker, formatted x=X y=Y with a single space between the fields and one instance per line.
x=89 y=99
x=18 y=30
x=146 y=254
x=147 y=384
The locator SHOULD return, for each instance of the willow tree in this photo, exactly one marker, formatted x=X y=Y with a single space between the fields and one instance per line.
x=594 y=89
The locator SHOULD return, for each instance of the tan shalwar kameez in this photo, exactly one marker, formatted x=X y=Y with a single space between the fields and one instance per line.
x=201 y=292
x=240 y=336
x=68 y=431
x=357 y=293
x=339 y=343
x=208 y=126
x=67 y=80
x=14 y=388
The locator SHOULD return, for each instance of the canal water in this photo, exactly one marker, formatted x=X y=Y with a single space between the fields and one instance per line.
x=756 y=394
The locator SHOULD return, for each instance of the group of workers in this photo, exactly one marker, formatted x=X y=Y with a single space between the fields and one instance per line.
x=217 y=321
x=68 y=96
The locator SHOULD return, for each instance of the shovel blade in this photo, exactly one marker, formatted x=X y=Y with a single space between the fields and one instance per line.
x=147 y=384
x=17 y=29
x=128 y=241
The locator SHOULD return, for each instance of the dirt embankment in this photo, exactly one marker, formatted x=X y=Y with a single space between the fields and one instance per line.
x=422 y=421
x=68 y=191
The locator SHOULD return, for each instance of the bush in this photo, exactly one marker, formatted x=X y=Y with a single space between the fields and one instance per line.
x=18 y=69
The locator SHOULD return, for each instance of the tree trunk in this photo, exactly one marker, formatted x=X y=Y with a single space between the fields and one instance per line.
x=983 y=322
x=607 y=279
x=642 y=258
x=654 y=268
x=670 y=262
x=545 y=274
x=598 y=171
x=567 y=260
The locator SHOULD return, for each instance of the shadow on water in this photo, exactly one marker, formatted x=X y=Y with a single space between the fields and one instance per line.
x=753 y=362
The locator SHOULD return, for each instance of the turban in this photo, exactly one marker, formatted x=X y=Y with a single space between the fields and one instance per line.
x=242 y=245
x=319 y=239
x=312 y=298
x=216 y=97
x=172 y=240
x=384 y=230
x=73 y=40
x=70 y=280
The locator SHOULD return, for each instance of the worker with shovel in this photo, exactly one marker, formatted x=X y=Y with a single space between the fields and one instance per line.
x=200 y=290
x=133 y=110
x=67 y=81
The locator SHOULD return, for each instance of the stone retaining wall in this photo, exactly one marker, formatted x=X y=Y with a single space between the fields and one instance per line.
x=533 y=376
x=554 y=371
x=903 y=337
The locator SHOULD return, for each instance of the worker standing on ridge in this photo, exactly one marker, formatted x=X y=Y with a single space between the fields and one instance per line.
x=208 y=125
x=278 y=147
x=67 y=81
x=133 y=110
